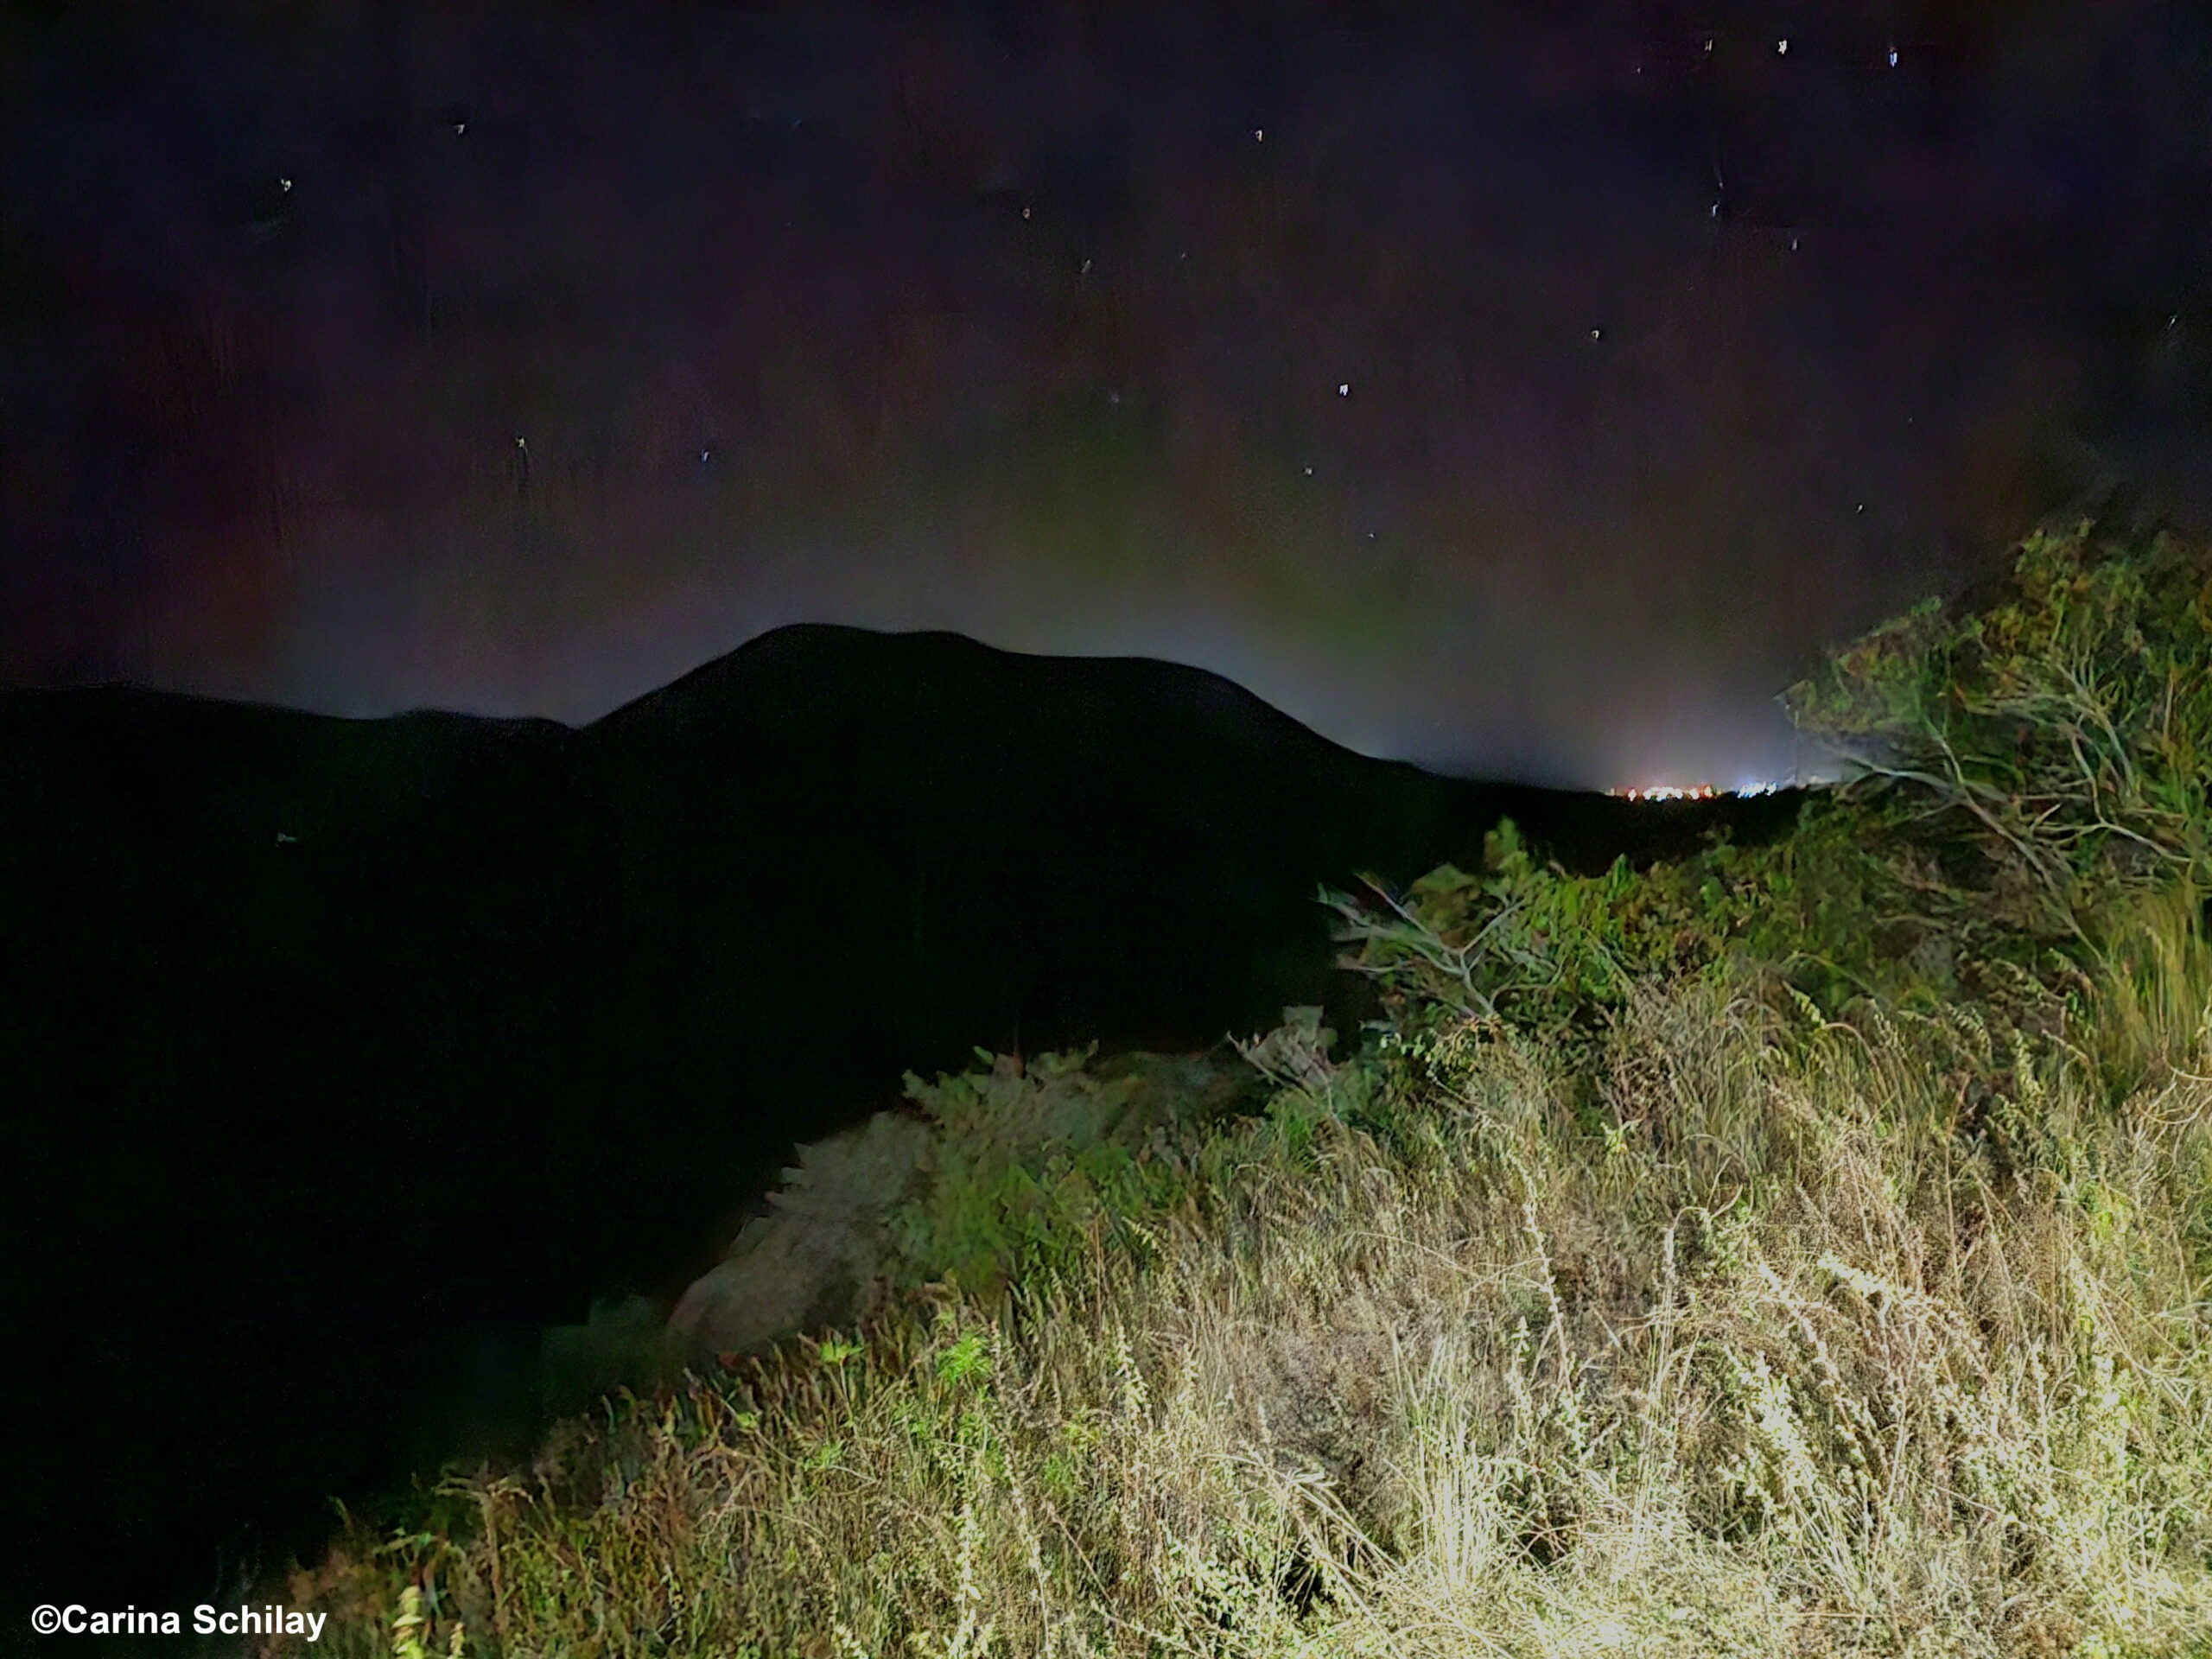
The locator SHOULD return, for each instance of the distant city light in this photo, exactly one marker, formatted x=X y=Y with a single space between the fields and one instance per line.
x=1666 y=792
x=1694 y=791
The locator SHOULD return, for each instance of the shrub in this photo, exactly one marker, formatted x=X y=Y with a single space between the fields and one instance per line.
x=2064 y=734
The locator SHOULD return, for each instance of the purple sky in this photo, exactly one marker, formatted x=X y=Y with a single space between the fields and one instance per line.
x=1530 y=392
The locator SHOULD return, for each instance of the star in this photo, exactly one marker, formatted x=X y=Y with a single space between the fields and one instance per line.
x=1893 y=57
x=1781 y=46
x=285 y=185
x=1344 y=389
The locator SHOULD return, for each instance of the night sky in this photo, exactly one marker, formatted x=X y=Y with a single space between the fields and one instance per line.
x=1524 y=390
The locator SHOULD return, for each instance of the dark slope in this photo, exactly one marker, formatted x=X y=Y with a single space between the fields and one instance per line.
x=254 y=1086
x=838 y=856
x=331 y=1046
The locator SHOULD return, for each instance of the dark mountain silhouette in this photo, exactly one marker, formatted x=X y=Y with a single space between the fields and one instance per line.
x=342 y=1055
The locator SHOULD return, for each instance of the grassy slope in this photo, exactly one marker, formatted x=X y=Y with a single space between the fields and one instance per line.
x=1805 y=1250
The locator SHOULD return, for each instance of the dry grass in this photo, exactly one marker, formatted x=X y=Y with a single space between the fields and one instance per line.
x=1779 y=1359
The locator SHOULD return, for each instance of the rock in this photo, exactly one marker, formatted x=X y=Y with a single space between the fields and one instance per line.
x=812 y=1262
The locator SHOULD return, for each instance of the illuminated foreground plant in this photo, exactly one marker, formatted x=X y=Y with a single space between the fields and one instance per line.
x=2066 y=731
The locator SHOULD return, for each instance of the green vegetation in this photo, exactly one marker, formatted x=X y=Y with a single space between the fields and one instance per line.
x=1799 y=1248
